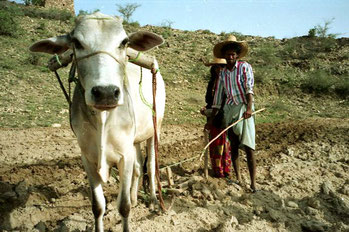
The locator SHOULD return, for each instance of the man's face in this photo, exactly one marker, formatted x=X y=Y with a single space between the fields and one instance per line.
x=231 y=56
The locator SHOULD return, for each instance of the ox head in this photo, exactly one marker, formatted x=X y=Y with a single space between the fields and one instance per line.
x=99 y=43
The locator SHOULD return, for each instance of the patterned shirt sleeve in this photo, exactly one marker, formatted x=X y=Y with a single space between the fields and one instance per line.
x=249 y=78
x=218 y=93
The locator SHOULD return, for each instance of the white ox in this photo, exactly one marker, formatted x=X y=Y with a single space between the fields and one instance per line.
x=108 y=115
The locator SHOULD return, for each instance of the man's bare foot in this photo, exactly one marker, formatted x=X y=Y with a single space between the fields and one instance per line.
x=254 y=189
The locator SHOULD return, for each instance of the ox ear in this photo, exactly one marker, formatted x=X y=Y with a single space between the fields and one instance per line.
x=143 y=40
x=54 y=45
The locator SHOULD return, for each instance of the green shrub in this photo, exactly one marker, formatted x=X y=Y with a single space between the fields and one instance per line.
x=33 y=59
x=38 y=2
x=166 y=33
x=33 y=12
x=197 y=71
x=327 y=44
x=134 y=24
x=299 y=48
x=318 y=82
x=312 y=33
x=206 y=31
x=8 y=24
x=85 y=12
x=223 y=33
x=342 y=87
x=267 y=54
x=13 y=9
x=260 y=75
x=307 y=48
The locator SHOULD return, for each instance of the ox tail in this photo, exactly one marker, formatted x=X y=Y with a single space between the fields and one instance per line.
x=102 y=168
x=145 y=175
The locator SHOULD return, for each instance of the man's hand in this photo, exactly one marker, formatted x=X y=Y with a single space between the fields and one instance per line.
x=247 y=114
x=209 y=123
x=202 y=110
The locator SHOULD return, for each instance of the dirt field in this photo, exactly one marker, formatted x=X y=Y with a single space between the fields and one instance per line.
x=303 y=174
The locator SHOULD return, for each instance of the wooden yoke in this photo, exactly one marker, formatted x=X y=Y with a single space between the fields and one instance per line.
x=138 y=58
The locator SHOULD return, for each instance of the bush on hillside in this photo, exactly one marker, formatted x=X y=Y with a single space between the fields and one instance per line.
x=35 y=12
x=266 y=54
x=312 y=33
x=33 y=58
x=342 y=87
x=318 y=82
x=85 y=12
x=166 y=33
x=307 y=48
x=133 y=24
x=8 y=24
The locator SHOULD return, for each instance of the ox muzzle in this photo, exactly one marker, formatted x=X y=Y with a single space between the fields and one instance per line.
x=105 y=97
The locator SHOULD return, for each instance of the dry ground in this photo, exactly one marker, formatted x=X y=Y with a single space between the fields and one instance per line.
x=303 y=174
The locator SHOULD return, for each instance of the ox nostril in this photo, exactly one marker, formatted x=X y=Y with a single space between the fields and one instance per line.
x=96 y=92
x=116 y=92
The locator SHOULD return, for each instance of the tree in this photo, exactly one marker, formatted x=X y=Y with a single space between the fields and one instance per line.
x=322 y=31
x=127 y=10
x=167 y=23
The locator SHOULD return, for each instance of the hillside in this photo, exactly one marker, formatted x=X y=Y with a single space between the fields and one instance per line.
x=295 y=78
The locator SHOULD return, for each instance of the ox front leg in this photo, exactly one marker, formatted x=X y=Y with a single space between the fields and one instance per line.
x=98 y=200
x=125 y=167
x=137 y=170
x=151 y=173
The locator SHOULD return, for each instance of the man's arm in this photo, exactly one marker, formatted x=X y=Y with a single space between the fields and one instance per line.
x=249 y=112
x=248 y=73
x=209 y=123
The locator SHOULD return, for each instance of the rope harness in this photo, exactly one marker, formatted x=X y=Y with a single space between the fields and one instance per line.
x=156 y=147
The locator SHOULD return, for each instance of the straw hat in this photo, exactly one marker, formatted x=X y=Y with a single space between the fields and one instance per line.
x=216 y=61
x=217 y=50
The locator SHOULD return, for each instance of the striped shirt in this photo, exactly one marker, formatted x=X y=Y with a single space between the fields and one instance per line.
x=236 y=84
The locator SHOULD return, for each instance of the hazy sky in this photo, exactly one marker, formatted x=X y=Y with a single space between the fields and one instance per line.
x=278 y=18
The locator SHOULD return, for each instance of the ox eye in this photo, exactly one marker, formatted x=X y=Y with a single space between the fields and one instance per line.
x=77 y=44
x=124 y=43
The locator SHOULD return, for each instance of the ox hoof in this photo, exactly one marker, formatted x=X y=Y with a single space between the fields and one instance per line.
x=134 y=203
x=154 y=205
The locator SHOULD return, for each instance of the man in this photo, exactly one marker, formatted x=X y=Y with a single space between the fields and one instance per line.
x=236 y=81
